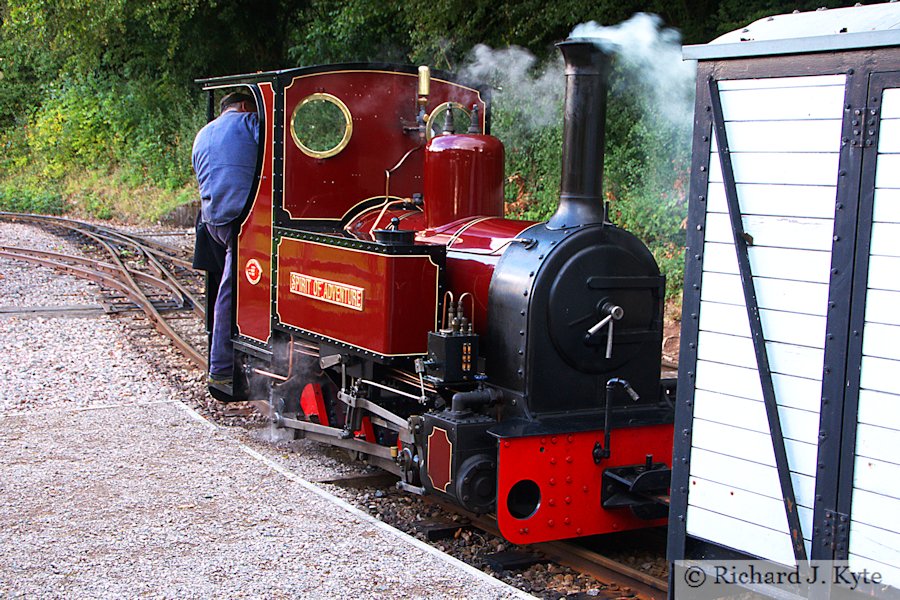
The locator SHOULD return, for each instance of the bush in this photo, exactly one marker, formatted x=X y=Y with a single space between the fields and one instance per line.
x=29 y=200
x=142 y=127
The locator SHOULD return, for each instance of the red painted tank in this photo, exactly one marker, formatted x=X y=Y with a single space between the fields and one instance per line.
x=463 y=178
x=474 y=246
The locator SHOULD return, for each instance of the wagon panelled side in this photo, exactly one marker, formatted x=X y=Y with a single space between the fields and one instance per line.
x=788 y=390
x=786 y=186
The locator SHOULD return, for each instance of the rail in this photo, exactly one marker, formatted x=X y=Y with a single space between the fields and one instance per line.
x=117 y=275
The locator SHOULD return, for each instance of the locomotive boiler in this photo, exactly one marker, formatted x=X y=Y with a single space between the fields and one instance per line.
x=386 y=306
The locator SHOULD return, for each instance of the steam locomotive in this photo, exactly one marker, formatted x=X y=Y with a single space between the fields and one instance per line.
x=386 y=306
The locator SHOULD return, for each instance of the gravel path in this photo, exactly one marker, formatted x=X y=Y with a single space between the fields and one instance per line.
x=86 y=352
x=113 y=488
x=34 y=286
x=146 y=500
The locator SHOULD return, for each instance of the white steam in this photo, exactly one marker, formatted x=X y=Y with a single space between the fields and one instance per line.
x=650 y=53
x=517 y=82
x=646 y=52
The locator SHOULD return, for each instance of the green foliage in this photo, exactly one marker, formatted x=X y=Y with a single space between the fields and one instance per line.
x=89 y=122
x=533 y=160
x=31 y=199
x=349 y=31
x=97 y=96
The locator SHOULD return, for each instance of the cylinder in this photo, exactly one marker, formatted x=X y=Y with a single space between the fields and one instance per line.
x=584 y=129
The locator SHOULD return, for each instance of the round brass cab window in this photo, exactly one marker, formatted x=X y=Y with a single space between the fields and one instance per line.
x=460 y=117
x=321 y=125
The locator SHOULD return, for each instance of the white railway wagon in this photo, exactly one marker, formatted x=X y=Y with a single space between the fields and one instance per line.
x=787 y=432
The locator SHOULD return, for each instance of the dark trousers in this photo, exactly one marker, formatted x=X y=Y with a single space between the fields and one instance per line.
x=221 y=354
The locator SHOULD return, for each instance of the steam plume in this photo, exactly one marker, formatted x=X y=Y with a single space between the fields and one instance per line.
x=650 y=53
x=647 y=52
x=518 y=82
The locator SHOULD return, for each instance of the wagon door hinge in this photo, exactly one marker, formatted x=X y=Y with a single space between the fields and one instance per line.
x=872 y=126
x=864 y=124
x=836 y=534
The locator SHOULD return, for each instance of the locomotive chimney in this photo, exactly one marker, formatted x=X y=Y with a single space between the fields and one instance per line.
x=584 y=128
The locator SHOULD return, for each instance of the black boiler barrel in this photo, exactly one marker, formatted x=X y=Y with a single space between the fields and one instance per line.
x=587 y=75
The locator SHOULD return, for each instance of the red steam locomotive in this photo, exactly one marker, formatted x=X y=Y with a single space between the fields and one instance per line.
x=386 y=306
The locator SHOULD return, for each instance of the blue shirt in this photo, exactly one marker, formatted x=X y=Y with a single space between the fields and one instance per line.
x=224 y=159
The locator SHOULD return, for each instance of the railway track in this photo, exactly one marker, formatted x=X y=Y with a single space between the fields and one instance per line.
x=157 y=278
x=154 y=277
x=616 y=579
x=619 y=579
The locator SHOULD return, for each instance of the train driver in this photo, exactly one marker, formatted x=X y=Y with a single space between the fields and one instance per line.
x=224 y=160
